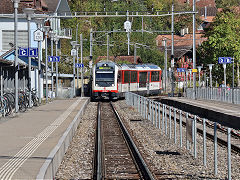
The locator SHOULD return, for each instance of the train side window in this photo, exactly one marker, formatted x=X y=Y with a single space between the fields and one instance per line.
x=142 y=79
x=126 y=76
x=133 y=76
x=119 y=76
x=154 y=76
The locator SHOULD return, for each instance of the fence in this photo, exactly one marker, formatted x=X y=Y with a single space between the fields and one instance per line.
x=167 y=119
x=218 y=94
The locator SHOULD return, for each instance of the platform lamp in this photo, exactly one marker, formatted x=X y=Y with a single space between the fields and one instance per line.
x=199 y=78
x=210 y=68
x=39 y=22
x=56 y=40
x=74 y=54
x=29 y=12
x=15 y=5
x=46 y=29
x=164 y=44
x=51 y=35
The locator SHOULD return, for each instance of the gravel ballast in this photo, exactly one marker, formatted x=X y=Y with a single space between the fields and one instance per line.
x=166 y=159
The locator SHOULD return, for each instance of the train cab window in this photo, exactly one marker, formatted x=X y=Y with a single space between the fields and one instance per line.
x=154 y=76
x=126 y=76
x=133 y=76
x=119 y=76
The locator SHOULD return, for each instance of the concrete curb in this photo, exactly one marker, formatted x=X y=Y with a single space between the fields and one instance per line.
x=54 y=159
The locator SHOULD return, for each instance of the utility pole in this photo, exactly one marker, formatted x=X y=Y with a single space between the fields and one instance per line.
x=128 y=35
x=107 y=47
x=15 y=4
x=135 y=53
x=51 y=36
x=77 y=47
x=194 y=49
x=46 y=61
x=164 y=43
x=91 y=56
x=238 y=74
x=29 y=12
x=81 y=46
x=172 y=52
x=56 y=46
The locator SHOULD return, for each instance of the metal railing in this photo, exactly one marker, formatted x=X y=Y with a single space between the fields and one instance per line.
x=228 y=95
x=174 y=122
x=65 y=33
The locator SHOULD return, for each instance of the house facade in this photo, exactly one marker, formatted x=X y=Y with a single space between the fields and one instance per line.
x=7 y=52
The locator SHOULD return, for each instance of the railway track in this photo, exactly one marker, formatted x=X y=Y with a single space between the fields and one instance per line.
x=222 y=133
x=116 y=155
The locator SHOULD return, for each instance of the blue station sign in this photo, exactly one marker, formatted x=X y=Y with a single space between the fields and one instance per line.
x=181 y=69
x=53 y=58
x=28 y=52
x=224 y=60
x=79 y=65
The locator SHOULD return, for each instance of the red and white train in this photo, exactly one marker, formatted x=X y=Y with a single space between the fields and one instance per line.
x=111 y=81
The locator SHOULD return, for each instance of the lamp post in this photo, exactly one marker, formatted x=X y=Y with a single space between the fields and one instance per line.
x=190 y=74
x=39 y=22
x=210 y=68
x=225 y=78
x=51 y=34
x=15 y=4
x=81 y=46
x=29 y=12
x=56 y=39
x=199 y=71
x=73 y=53
x=164 y=43
x=46 y=29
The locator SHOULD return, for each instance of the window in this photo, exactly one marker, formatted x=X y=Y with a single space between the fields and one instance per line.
x=133 y=76
x=8 y=37
x=154 y=76
x=126 y=76
x=142 y=79
x=104 y=75
x=120 y=76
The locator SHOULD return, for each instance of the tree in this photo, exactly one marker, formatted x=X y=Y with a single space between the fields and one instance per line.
x=223 y=41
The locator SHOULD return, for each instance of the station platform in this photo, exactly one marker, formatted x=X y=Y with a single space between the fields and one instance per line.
x=227 y=114
x=33 y=142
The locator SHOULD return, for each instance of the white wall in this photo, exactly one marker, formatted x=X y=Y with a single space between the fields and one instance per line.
x=8 y=24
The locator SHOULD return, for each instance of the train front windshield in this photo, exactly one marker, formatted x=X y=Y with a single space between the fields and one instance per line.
x=104 y=78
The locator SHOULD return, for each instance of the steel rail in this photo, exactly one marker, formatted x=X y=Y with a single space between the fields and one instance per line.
x=145 y=172
x=98 y=148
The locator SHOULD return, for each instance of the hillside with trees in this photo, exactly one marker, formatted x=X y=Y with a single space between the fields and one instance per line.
x=118 y=40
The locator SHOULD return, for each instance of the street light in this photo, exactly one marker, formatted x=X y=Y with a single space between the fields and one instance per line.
x=46 y=29
x=56 y=39
x=199 y=71
x=210 y=68
x=51 y=34
x=39 y=22
x=29 y=12
x=15 y=4
x=164 y=44
x=73 y=53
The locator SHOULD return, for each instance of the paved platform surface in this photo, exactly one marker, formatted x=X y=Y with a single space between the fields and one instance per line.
x=27 y=139
x=226 y=113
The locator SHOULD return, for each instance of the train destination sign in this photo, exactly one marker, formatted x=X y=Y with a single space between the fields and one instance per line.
x=105 y=67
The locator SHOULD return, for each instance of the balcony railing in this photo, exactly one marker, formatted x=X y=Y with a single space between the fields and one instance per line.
x=65 y=33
